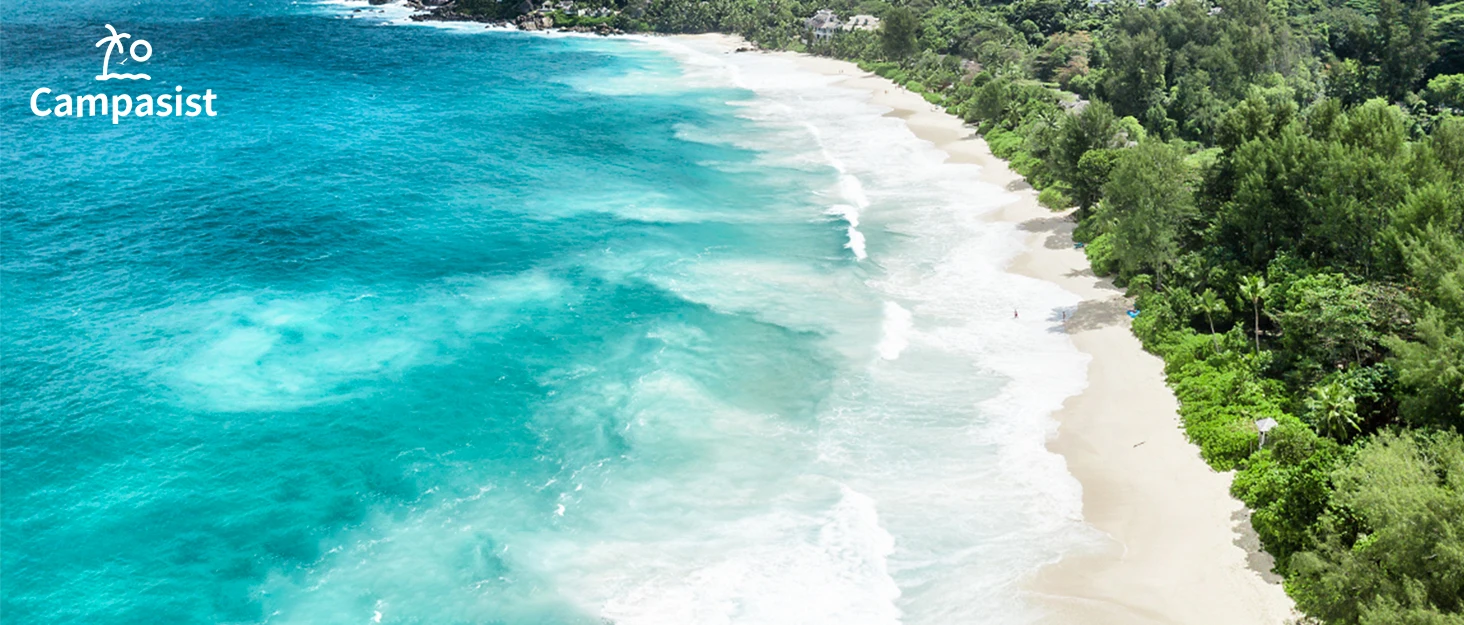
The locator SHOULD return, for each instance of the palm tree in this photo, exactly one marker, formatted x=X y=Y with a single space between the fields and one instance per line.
x=1255 y=289
x=1210 y=304
x=1333 y=410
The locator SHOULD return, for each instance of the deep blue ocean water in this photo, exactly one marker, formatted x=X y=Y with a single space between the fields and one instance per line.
x=440 y=326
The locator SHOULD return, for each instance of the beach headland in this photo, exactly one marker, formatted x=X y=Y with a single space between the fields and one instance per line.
x=1180 y=548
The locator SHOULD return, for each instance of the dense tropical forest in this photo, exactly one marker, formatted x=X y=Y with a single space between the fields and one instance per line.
x=1281 y=185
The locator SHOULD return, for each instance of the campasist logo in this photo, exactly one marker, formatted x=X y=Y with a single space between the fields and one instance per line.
x=43 y=104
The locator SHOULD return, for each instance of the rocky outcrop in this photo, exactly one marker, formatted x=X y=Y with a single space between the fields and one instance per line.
x=441 y=11
x=535 y=21
x=445 y=11
x=603 y=30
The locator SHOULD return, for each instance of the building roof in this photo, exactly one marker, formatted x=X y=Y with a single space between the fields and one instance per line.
x=862 y=22
x=823 y=19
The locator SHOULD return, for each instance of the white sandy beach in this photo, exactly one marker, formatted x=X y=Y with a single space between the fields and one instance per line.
x=1181 y=549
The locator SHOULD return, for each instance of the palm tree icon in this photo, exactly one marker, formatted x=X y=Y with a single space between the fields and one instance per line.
x=114 y=42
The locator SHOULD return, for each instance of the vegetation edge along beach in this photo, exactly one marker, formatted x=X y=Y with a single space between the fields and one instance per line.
x=1279 y=185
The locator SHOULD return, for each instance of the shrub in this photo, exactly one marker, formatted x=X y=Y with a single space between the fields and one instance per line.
x=1053 y=198
x=1004 y=143
x=1220 y=401
x=1024 y=164
x=1287 y=485
x=1100 y=255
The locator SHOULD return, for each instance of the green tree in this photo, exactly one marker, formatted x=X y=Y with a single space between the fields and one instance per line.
x=1430 y=359
x=1325 y=200
x=1263 y=114
x=1391 y=550
x=1149 y=208
x=1332 y=409
x=1080 y=136
x=1449 y=34
x=1447 y=145
x=1350 y=81
x=1327 y=323
x=1137 y=60
x=1211 y=304
x=1090 y=129
x=1091 y=173
x=1254 y=289
x=1404 y=35
x=1446 y=91
x=897 y=33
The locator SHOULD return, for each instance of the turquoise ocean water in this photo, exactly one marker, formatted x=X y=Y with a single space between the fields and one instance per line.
x=440 y=325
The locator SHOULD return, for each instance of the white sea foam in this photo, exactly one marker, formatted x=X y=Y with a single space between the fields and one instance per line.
x=856 y=243
x=914 y=488
x=850 y=215
x=894 y=330
x=852 y=191
x=281 y=351
x=391 y=13
x=946 y=430
x=849 y=188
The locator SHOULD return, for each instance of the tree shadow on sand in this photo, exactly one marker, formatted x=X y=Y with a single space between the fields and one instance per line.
x=1091 y=315
x=1246 y=538
x=1056 y=222
x=1059 y=229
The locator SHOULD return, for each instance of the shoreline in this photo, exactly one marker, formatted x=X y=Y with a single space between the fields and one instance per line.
x=1180 y=549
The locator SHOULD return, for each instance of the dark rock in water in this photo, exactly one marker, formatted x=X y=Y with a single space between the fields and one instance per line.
x=377 y=2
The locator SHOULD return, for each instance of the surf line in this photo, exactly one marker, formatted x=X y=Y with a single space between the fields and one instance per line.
x=124 y=105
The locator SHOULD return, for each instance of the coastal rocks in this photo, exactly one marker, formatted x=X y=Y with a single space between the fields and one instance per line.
x=441 y=11
x=604 y=30
x=535 y=22
x=447 y=14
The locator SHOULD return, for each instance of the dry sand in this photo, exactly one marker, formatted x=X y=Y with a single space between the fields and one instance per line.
x=1181 y=549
